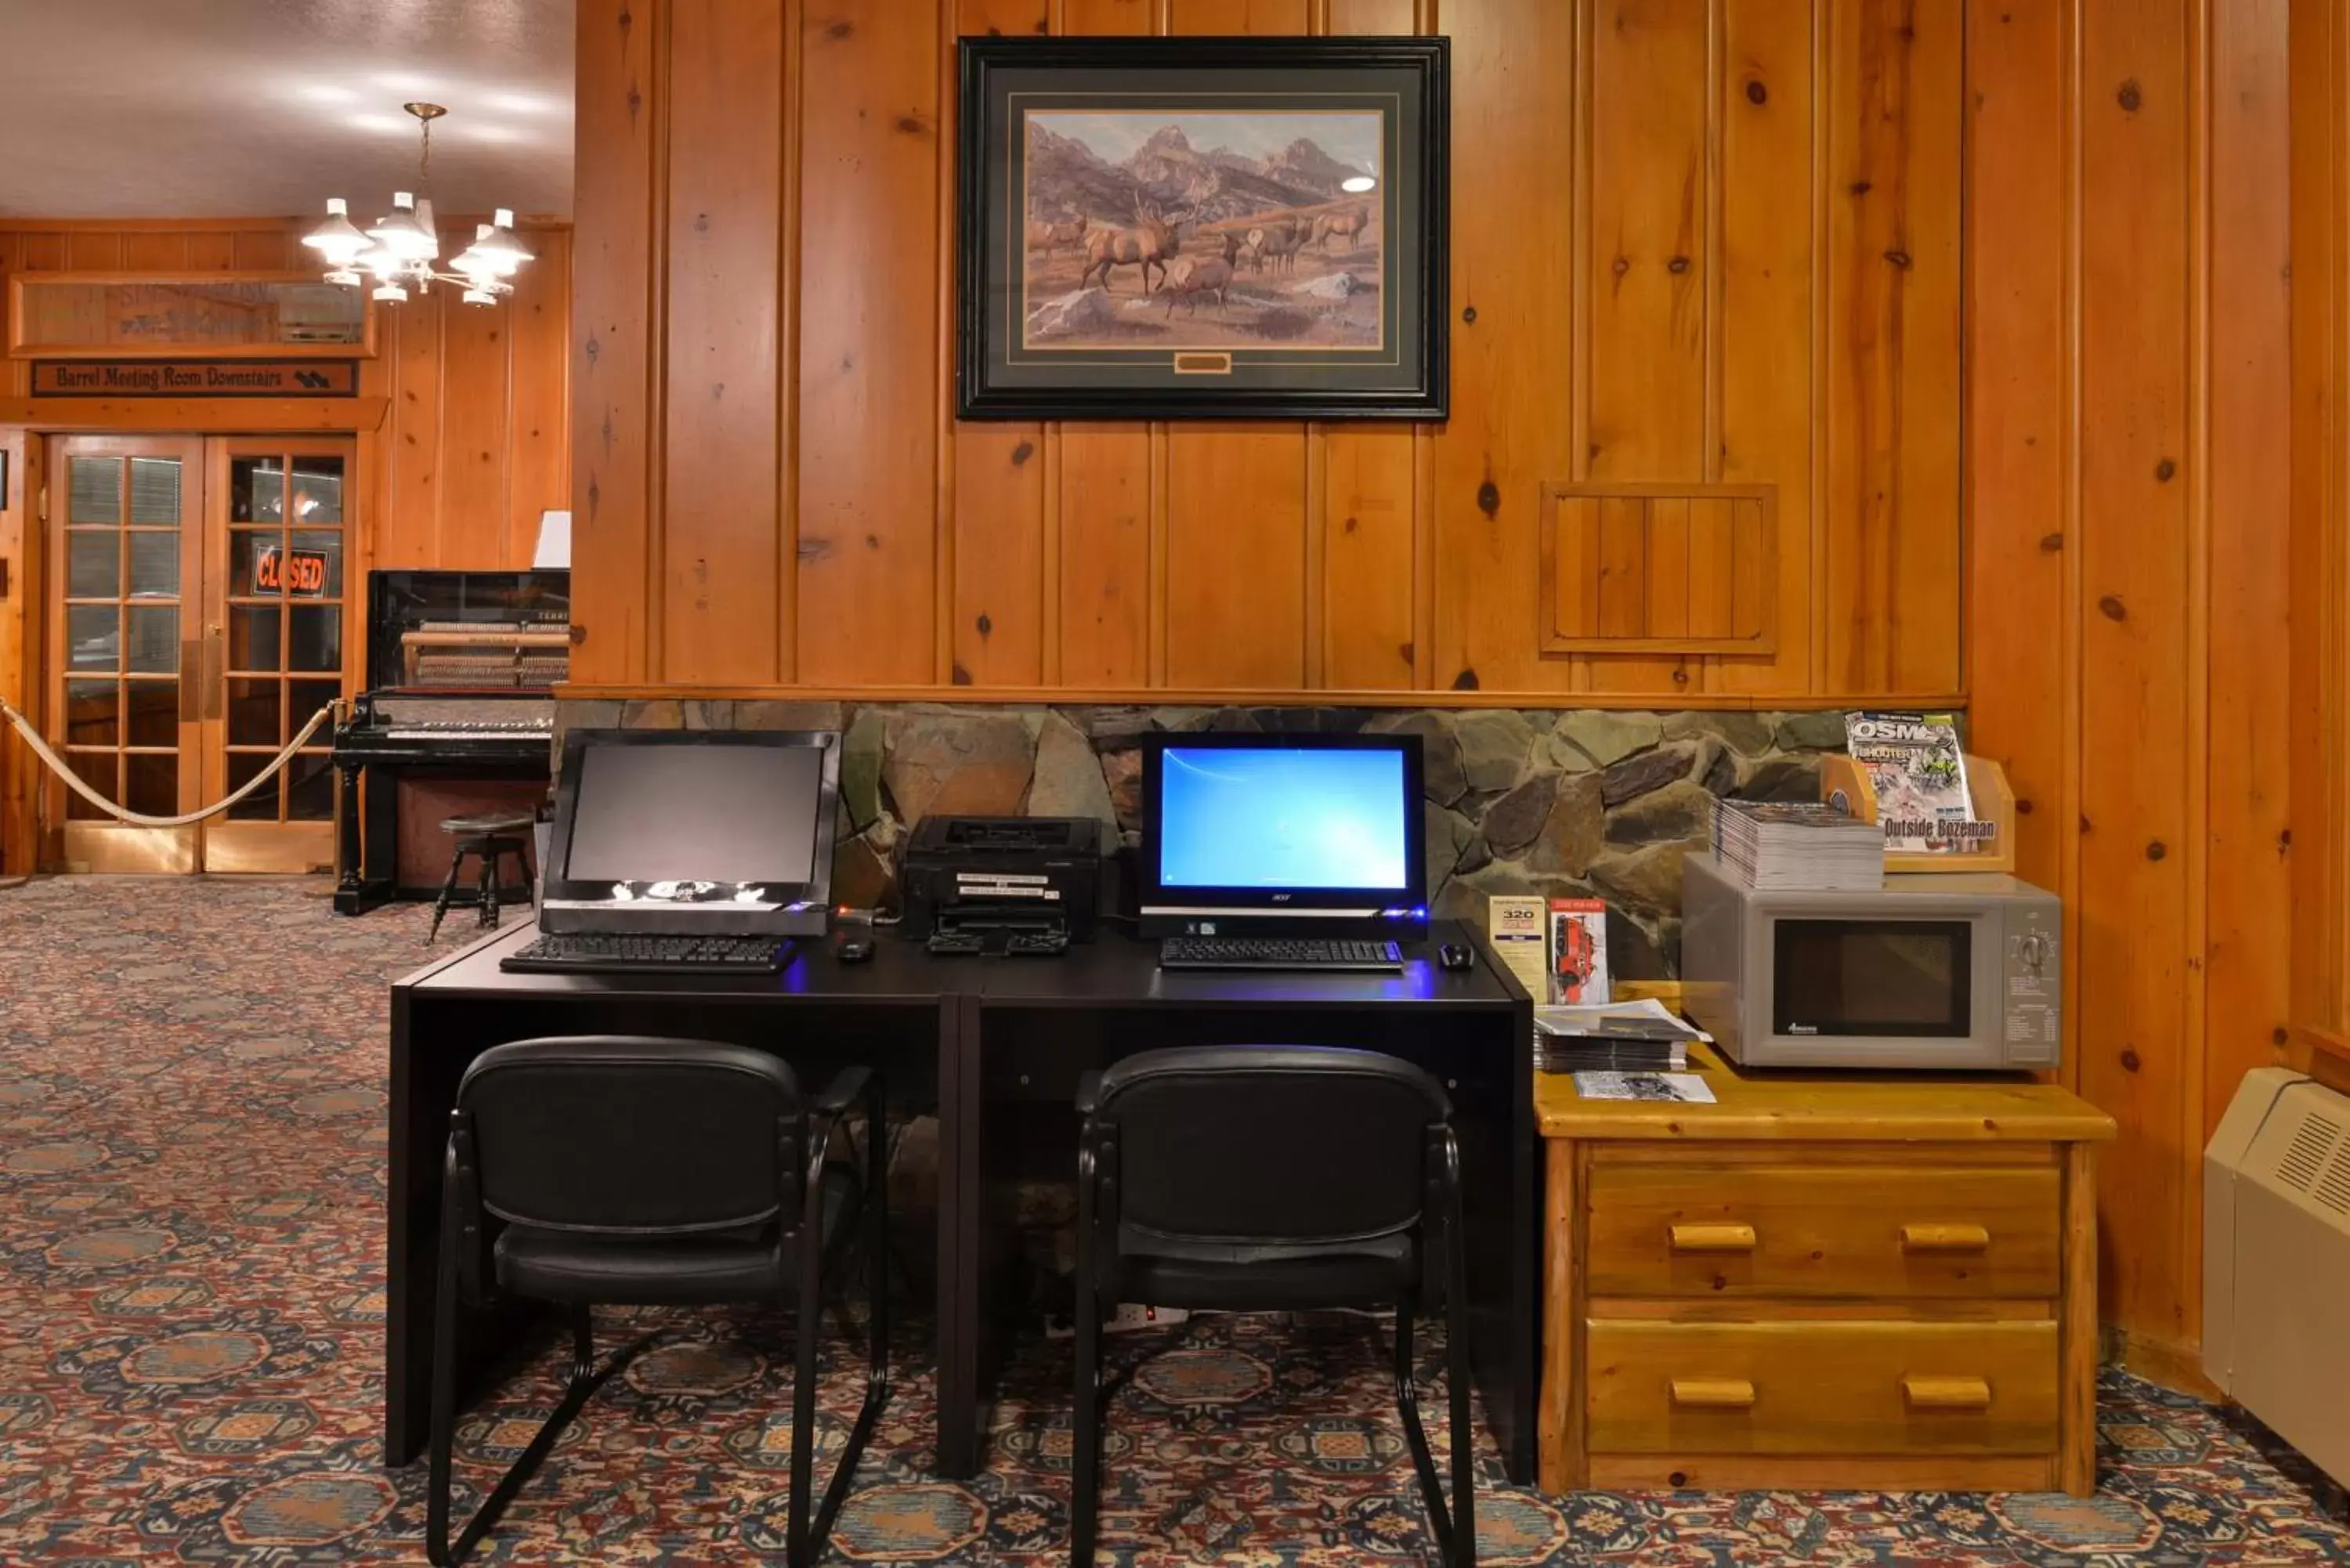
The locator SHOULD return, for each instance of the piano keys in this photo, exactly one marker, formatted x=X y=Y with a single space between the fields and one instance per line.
x=459 y=714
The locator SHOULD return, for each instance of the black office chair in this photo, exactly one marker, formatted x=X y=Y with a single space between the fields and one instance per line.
x=637 y=1171
x=1271 y=1179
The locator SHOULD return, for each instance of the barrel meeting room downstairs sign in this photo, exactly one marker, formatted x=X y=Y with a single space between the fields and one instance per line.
x=195 y=379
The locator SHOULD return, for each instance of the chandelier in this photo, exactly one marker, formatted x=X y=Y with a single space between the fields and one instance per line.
x=402 y=248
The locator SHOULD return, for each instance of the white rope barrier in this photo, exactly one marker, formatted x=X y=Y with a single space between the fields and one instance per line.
x=120 y=813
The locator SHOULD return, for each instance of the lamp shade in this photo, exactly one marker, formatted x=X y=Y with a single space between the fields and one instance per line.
x=402 y=234
x=338 y=239
x=498 y=245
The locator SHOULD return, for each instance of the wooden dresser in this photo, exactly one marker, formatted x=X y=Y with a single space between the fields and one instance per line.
x=1822 y=1281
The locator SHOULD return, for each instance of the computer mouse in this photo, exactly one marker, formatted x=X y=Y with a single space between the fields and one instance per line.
x=853 y=950
x=1454 y=955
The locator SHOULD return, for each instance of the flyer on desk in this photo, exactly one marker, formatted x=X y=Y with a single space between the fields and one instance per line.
x=1578 y=953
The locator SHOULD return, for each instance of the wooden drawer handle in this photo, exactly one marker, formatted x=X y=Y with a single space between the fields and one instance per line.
x=1712 y=1238
x=1947 y=1393
x=1944 y=1239
x=1714 y=1392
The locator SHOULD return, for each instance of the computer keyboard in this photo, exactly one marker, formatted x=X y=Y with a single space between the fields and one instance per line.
x=1278 y=952
x=585 y=954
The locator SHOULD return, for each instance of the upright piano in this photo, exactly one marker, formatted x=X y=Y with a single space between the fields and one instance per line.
x=460 y=671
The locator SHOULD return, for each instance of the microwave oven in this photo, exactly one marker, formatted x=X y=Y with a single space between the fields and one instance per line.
x=1950 y=972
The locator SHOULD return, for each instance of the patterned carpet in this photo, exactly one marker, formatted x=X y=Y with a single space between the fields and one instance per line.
x=191 y=1297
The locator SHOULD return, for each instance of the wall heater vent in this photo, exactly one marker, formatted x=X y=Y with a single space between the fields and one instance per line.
x=2305 y=1152
x=2332 y=1188
x=2276 y=1261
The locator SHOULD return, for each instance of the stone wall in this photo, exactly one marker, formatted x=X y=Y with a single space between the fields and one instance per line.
x=1563 y=803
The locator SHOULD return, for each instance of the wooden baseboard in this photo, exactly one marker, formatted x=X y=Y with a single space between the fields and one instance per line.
x=2176 y=1367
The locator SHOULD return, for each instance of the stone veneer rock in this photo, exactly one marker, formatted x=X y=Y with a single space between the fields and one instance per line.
x=1567 y=803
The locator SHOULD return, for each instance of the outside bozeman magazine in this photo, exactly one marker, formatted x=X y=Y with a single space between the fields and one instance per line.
x=1919 y=776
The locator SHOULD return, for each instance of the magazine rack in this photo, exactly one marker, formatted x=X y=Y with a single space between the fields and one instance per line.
x=1845 y=783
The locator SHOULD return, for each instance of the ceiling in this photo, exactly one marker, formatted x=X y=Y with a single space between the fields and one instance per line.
x=173 y=109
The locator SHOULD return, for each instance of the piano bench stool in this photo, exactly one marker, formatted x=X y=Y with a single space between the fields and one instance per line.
x=489 y=837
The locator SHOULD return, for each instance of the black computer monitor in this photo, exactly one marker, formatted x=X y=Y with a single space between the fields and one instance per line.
x=1297 y=835
x=719 y=832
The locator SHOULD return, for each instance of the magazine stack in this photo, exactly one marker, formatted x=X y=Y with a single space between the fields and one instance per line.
x=1780 y=845
x=1623 y=1037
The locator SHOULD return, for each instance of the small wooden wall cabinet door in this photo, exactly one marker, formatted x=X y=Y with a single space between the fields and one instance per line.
x=1894 y=1231
x=1823 y=1387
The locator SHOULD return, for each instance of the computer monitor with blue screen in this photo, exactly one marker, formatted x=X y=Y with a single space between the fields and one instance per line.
x=1247 y=834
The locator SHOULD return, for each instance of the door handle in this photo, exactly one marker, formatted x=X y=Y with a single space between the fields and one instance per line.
x=1713 y=1392
x=1711 y=1238
x=1944 y=1238
x=1946 y=1393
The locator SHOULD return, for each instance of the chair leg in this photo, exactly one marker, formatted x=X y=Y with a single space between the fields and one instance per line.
x=876 y=1248
x=1464 y=1434
x=584 y=1379
x=1456 y=1350
x=1423 y=1462
x=1085 y=1418
x=808 y=1325
x=444 y=1386
x=448 y=891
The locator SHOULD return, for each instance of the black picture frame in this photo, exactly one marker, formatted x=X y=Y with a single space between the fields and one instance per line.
x=1006 y=371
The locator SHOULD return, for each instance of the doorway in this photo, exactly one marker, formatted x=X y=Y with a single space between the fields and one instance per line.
x=197 y=602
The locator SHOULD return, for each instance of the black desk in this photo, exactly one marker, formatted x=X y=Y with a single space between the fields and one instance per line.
x=1000 y=1043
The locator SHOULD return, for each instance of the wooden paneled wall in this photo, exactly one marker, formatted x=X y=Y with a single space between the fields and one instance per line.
x=2128 y=459
x=477 y=438
x=1695 y=244
x=2320 y=682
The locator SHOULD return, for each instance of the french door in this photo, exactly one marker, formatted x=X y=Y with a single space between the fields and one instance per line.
x=198 y=590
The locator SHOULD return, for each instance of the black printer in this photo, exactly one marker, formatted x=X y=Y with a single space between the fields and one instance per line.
x=1001 y=884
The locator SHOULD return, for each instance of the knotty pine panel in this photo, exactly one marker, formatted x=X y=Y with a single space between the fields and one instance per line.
x=995 y=523
x=871 y=341
x=2019 y=304
x=1234 y=535
x=1763 y=314
x=1645 y=319
x=1364 y=575
x=2320 y=540
x=722 y=445
x=476 y=442
x=2137 y=844
x=622 y=105
x=2247 y=973
x=1511 y=337
x=1890 y=535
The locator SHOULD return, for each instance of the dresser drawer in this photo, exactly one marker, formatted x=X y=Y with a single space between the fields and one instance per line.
x=1825 y=1388
x=1855 y=1230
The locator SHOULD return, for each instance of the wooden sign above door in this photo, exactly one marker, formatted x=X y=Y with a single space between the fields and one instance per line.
x=195 y=379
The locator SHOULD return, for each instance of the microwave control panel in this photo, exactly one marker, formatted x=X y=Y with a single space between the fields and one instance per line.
x=2034 y=984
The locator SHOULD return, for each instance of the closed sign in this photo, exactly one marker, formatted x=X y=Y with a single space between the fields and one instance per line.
x=277 y=570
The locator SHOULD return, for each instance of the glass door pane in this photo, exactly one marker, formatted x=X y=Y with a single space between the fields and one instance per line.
x=122 y=635
x=284 y=607
x=123 y=542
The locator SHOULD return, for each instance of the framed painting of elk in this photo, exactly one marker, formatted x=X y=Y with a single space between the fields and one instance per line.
x=1202 y=228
